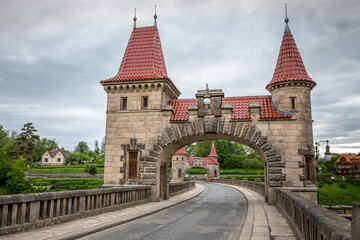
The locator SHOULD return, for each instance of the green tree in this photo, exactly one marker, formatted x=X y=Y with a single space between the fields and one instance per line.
x=97 y=149
x=24 y=144
x=102 y=150
x=16 y=182
x=5 y=167
x=234 y=161
x=201 y=149
x=222 y=150
x=82 y=147
x=43 y=145
x=7 y=142
x=74 y=157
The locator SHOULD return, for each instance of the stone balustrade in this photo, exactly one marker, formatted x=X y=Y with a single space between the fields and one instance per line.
x=179 y=187
x=256 y=186
x=27 y=211
x=310 y=221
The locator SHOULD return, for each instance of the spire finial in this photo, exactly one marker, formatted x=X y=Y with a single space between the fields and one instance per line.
x=155 y=17
x=287 y=29
x=135 y=18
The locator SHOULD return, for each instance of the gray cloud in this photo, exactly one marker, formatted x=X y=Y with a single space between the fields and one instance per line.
x=54 y=53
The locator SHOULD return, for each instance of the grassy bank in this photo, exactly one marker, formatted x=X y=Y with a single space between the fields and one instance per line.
x=239 y=171
x=344 y=192
x=65 y=169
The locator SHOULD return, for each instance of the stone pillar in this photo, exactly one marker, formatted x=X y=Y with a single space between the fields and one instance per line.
x=254 y=108
x=355 y=222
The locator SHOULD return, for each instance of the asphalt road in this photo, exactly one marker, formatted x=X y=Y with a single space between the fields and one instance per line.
x=218 y=213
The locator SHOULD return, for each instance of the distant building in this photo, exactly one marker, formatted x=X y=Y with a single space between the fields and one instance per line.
x=55 y=156
x=348 y=165
x=181 y=163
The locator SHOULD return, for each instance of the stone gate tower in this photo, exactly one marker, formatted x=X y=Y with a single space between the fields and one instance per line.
x=146 y=123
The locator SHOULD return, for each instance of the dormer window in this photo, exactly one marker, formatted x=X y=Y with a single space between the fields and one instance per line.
x=145 y=102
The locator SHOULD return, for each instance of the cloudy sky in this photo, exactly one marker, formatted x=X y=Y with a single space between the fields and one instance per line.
x=54 y=53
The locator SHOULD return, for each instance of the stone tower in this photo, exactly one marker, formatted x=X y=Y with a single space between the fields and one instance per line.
x=290 y=90
x=137 y=103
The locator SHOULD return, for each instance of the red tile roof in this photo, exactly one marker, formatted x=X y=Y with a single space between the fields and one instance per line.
x=349 y=158
x=143 y=58
x=213 y=151
x=182 y=151
x=211 y=161
x=240 y=108
x=289 y=66
x=54 y=151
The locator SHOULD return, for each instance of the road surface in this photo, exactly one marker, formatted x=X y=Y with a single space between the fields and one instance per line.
x=218 y=213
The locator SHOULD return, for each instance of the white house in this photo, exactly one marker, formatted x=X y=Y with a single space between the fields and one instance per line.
x=55 y=156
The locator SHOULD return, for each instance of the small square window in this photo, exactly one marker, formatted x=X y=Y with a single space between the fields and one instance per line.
x=46 y=160
x=59 y=159
x=123 y=103
x=145 y=102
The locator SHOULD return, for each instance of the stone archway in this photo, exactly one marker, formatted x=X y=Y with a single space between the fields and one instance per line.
x=179 y=135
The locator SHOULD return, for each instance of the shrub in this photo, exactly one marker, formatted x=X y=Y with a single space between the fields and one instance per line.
x=16 y=182
x=92 y=170
x=342 y=185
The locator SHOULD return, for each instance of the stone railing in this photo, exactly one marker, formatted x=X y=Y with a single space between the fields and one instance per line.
x=180 y=187
x=311 y=220
x=26 y=211
x=65 y=175
x=256 y=186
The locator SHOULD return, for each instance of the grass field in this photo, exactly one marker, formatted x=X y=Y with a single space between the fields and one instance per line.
x=65 y=169
x=229 y=171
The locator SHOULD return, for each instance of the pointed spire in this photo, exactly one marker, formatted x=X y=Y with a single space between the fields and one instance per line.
x=155 y=17
x=287 y=28
x=135 y=18
x=289 y=66
x=182 y=151
x=213 y=151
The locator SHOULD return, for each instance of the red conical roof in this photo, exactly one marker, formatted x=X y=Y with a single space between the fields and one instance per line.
x=213 y=151
x=181 y=151
x=143 y=58
x=289 y=66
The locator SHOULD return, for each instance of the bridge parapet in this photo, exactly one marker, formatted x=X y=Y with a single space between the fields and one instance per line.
x=310 y=220
x=28 y=211
x=180 y=187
